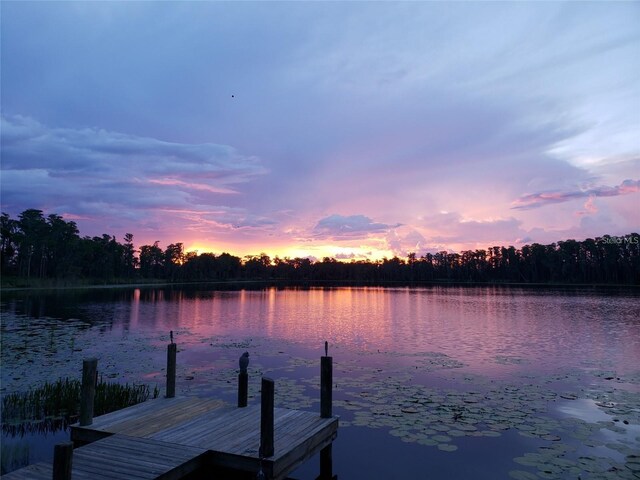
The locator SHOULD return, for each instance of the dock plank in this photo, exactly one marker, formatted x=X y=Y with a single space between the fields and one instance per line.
x=145 y=418
x=120 y=457
x=233 y=436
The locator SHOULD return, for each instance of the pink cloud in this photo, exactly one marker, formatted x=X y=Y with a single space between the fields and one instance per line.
x=590 y=207
x=535 y=200
x=190 y=185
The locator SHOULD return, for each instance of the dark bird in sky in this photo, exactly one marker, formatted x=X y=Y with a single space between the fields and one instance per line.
x=244 y=362
x=326 y=348
x=171 y=335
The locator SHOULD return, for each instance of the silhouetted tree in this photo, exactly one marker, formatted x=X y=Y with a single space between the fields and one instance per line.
x=50 y=247
x=173 y=260
x=151 y=261
x=61 y=247
x=32 y=230
x=8 y=245
x=129 y=260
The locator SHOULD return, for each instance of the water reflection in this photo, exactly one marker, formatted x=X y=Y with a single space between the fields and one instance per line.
x=488 y=329
x=489 y=353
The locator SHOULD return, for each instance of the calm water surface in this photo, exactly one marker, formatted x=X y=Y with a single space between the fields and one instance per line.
x=438 y=382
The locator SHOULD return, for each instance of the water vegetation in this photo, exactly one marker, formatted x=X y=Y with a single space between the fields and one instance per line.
x=54 y=405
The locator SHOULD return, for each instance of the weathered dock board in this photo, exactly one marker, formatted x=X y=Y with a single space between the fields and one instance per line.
x=120 y=457
x=144 y=419
x=232 y=437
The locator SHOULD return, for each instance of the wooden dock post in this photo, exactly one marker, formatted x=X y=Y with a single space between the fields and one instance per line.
x=243 y=389
x=267 y=418
x=171 y=370
x=89 y=377
x=326 y=464
x=62 y=459
x=326 y=381
x=326 y=411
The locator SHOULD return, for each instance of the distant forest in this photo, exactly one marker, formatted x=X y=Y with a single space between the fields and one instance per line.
x=47 y=247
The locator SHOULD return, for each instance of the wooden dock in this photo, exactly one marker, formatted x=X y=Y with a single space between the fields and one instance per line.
x=167 y=438
x=171 y=438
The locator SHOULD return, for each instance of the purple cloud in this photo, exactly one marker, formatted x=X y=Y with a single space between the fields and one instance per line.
x=535 y=200
x=94 y=173
x=349 y=227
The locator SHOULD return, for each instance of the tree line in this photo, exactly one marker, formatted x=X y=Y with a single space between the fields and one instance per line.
x=35 y=246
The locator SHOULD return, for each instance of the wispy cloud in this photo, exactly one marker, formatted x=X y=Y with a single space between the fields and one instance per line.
x=339 y=227
x=536 y=200
x=589 y=206
x=190 y=185
x=27 y=144
x=94 y=173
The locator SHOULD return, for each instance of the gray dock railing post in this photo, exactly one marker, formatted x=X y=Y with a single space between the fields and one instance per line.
x=62 y=460
x=171 y=370
x=266 y=418
x=326 y=410
x=89 y=380
x=243 y=389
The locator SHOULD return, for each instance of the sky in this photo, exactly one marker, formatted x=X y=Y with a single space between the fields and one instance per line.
x=352 y=130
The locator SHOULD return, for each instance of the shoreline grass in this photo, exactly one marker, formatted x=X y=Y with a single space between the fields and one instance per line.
x=54 y=405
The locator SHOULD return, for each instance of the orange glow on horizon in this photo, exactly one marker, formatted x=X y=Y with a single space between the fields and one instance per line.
x=371 y=249
x=294 y=251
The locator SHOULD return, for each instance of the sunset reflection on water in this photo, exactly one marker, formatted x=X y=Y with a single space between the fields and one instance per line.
x=485 y=328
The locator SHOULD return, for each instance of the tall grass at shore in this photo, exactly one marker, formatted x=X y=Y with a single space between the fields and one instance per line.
x=52 y=406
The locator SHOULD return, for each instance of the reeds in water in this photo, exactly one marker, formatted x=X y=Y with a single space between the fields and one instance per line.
x=53 y=406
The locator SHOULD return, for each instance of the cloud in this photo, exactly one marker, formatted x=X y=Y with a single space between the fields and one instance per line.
x=404 y=240
x=345 y=256
x=541 y=199
x=224 y=218
x=94 y=173
x=590 y=207
x=446 y=230
x=28 y=144
x=341 y=227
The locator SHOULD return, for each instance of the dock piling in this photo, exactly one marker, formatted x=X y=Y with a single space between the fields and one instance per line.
x=171 y=369
x=326 y=411
x=243 y=389
x=62 y=459
x=267 y=418
x=89 y=376
x=326 y=464
x=326 y=381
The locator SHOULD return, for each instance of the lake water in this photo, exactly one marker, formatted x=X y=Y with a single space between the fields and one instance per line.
x=434 y=382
